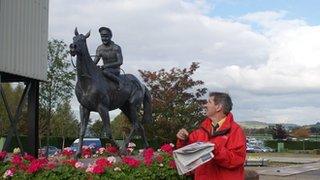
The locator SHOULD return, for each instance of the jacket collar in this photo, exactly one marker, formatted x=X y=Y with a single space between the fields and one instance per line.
x=207 y=125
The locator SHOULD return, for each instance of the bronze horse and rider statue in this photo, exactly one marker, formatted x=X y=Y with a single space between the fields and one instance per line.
x=102 y=89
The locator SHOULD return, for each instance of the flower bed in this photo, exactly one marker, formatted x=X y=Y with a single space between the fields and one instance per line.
x=146 y=164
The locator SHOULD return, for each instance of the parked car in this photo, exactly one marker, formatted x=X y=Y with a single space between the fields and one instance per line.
x=254 y=149
x=267 y=149
x=51 y=151
x=93 y=143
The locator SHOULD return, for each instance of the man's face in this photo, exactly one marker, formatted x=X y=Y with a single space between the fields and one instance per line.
x=211 y=107
x=105 y=37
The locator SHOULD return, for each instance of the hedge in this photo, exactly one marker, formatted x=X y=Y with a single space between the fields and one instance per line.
x=294 y=145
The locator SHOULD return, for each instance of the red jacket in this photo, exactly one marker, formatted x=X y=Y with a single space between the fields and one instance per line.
x=229 y=150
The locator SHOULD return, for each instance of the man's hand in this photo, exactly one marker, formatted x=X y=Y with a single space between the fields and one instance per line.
x=182 y=134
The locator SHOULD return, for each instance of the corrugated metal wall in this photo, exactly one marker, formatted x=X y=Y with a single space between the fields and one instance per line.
x=24 y=37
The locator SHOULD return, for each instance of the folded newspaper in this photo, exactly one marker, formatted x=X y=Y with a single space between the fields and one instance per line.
x=193 y=155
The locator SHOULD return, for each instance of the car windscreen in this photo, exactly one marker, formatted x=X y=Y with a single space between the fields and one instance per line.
x=94 y=143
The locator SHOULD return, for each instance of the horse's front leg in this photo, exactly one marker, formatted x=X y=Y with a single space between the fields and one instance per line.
x=84 y=117
x=104 y=114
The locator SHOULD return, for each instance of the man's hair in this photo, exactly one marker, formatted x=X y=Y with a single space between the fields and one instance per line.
x=105 y=29
x=224 y=99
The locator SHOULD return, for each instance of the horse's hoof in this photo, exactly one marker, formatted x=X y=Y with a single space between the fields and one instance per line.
x=77 y=156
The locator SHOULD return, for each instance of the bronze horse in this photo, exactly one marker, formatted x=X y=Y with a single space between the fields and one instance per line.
x=97 y=93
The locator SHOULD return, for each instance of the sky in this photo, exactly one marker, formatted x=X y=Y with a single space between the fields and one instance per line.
x=264 y=53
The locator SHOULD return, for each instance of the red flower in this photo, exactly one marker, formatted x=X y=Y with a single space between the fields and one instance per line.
x=67 y=152
x=36 y=165
x=131 y=161
x=16 y=159
x=50 y=165
x=167 y=148
x=86 y=152
x=28 y=157
x=23 y=166
x=172 y=164
x=3 y=154
x=98 y=169
x=148 y=155
x=112 y=149
x=160 y=159
x=70 y=162
x=148 y=162
x=103 y=162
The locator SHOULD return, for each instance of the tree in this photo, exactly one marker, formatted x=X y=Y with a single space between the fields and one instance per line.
x=315 y=129
x=120 y=126
x=64 y=123
x=301 y=133
x=175 y=100
x=278 y=132
x=13 y=94
x=59 y=87
x=96 y=128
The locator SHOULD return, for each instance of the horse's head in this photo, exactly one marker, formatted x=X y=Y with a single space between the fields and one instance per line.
x=79 y=42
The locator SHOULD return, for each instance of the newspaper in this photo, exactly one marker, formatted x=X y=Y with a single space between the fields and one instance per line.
x=193 y=155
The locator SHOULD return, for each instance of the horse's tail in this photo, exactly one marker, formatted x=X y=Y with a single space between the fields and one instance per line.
x=147 y=109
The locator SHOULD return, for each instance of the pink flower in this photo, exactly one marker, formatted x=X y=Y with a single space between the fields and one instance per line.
x=101 y=150
x=131 y=145
x=3 y=155
x=131 y=161
x=129 y=150
x=167 y=148
x=79 y=165
x=8 y=173
x=112 y=159
x=16 y=159
x=89 y=168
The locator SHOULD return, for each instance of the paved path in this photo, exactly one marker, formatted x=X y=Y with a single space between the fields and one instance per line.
x=289 y=170
x=308 y=171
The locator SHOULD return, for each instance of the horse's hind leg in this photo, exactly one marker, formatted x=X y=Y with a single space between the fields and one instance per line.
x=143 y=135
x=131 y=112
x=84 y=117
x=104 y=114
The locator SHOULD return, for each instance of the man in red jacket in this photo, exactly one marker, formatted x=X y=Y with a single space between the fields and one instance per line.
x=226 y=135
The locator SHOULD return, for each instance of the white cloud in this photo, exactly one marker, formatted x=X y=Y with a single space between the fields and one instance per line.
x=293 y=64
x=258 y=53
